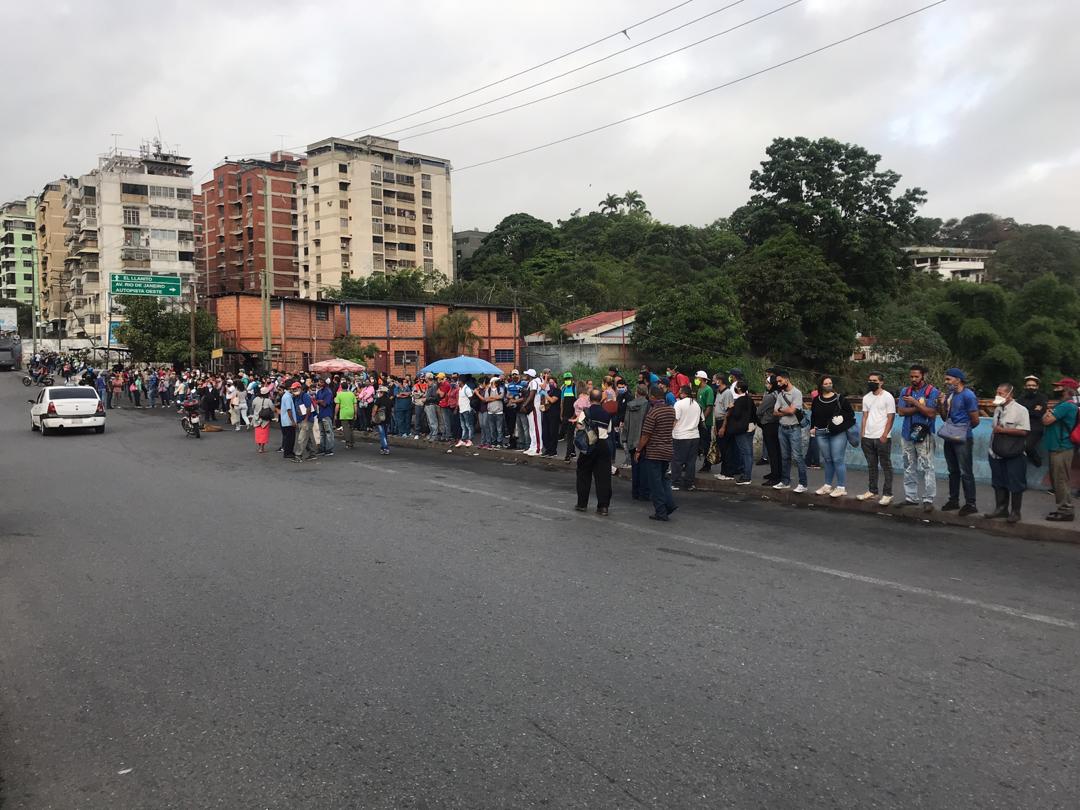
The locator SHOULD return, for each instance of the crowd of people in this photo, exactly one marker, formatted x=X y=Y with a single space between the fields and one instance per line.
x=669 y=427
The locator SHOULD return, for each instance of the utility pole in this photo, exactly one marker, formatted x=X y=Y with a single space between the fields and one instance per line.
x=34 y=310
x=191 y=324
x=268 y=273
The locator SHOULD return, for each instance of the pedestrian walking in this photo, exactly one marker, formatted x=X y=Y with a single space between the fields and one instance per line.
x=380 y=416
x=262 y=416
x=345 y=413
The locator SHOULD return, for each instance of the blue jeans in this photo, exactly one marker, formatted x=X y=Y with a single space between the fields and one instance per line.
x=466 y=426
x=403 y=417
x=958 y=460
x=485 y=427
x=832 y=449
x=744 y=444
x=382 y=436
x=497 y=421
x=639 y=487
x=659 y=486
x=326 y=433
x=791 y=449
x=431 y=413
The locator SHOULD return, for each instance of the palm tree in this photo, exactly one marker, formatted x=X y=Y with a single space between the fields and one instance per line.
x=610 y=204
x=633 y=202
x=453 y=334
x=554 y=332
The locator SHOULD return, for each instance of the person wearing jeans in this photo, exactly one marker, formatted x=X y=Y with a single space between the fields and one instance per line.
x=789 y=402
x=959 y=409
x=654 y=451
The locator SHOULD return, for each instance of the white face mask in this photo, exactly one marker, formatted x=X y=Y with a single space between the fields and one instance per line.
x=999 y=400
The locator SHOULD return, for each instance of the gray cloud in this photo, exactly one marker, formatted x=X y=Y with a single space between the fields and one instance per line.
x=975 y=102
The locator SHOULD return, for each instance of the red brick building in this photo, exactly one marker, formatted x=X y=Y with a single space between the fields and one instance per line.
x=234 y=211
x=301 y=330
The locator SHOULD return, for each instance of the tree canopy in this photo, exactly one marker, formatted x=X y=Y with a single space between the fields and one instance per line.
x=158 y=332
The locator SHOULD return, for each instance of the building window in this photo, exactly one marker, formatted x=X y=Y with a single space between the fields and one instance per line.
x=159 y=233
x=504 y=316
x=504 y=356
x=163 y=255
x=93 y=319
x=159 y=211
x=183 y=193
x=315 y=172
x=406 y=315
x=429 y=264
x=408 y=357
x=322 y=312
x=27 y=276
x=166 y=192
x=28 y=264
x=131 y=215
x=343 y=168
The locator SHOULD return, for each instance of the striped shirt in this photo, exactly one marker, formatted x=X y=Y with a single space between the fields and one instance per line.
x=659 y=424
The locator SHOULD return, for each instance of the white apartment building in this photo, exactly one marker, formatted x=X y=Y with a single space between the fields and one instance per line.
x=960 y=264
x=367 y=207
x=132 y=214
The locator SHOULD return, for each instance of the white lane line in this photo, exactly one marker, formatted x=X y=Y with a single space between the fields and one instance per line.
x=376 y=467
x=945 y=596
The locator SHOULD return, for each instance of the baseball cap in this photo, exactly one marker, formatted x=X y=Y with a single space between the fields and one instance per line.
x=955 y=372
x=515 y=371
x=701 y=375
x=568 y=375
x=296 y=384
x=1031 y=377
x=1066 y=382
x=442 y=375
x=530 y=372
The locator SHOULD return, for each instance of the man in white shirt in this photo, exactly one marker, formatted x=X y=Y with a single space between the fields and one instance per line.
x=536 y=434
x=878 y=415
x=684 y=439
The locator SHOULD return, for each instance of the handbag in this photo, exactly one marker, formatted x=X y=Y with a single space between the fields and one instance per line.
x=952 y=432
x=853 y=437
x=1003 y=445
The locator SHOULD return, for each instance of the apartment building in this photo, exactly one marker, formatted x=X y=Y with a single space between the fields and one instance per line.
x=233 y=207
x=198 y=222
x=52 y=252
x=132 y=214
x=368 y=207
x=466 y=243
x=18 y=249
x=952 y=264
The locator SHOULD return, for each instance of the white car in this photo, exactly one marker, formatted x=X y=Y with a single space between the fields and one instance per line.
x=67 y=406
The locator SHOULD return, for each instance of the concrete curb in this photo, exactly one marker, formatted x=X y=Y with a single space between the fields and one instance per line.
x=1022 y=531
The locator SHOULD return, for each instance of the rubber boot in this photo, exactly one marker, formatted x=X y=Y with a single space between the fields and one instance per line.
x=1017 y=502
x=1002 y=511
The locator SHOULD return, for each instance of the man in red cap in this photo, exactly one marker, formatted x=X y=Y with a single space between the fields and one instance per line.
x=1059 y=424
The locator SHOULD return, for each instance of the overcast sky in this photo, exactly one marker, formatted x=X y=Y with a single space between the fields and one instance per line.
x=977 y=101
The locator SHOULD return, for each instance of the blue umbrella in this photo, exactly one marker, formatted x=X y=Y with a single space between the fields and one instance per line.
x=462 y=364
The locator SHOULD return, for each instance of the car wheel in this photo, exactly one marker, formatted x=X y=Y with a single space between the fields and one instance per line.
x=99 y=429
x=44 y=430
x=33 y=427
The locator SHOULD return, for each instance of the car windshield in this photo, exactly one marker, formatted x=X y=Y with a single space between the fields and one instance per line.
x=73 y=393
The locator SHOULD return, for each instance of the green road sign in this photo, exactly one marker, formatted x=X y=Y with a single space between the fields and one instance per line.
x=130 y=284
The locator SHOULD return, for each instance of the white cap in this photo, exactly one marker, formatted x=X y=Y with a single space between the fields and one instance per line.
x=515 y=371
x=530 y=372
x=701 y=375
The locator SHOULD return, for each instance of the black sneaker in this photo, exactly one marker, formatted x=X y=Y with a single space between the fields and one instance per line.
x=967 y=509
x=905 y=502
x=951 y=506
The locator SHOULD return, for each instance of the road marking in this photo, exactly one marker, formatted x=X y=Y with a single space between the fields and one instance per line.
x=901 y=587
x=376 y=467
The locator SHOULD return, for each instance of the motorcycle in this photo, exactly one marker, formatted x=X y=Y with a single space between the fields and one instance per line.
x=43 y=380
x=189 y=418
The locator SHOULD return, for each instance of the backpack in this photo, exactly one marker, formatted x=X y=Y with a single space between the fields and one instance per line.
x=585 y=438
x=1074 y=434
x=266 y=413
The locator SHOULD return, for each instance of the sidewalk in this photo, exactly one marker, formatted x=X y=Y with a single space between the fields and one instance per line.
x=1037 y=502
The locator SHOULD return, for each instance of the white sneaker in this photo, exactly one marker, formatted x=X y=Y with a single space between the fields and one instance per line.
x=460 y=444
x=885 y=500
x=824 y=489
x=866 y=496
x=800 y=489
x=783 y=486
x=838 y=492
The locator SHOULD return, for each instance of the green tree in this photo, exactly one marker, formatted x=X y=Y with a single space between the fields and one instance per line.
x=610 y=204
x=159 y=332
x=453 y=335
x=833 y=195
x=692 y=323
x=554 y=332
x=517 y=238
x=411 y=284
x=794 y=303
x=634 y=202
x=1035 y=251
x=351 y=347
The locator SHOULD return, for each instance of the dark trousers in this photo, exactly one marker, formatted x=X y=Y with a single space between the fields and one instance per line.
x=551 y=431
x=659 y=486
x=509 y=425
x=877 y=453
x=594 y=466
x=639 y=487
x=683 y=462
x=770 y=440
x=288 y=441
x=566 y=433
x=1009 y=473
x=958 y=460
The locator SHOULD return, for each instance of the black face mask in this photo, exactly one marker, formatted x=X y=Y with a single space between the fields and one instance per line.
x=1030 y=393
x=872 y=386
x=1059 y=392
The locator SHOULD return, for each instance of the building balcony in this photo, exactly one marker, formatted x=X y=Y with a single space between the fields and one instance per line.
x=135 y=263
x=135 y=198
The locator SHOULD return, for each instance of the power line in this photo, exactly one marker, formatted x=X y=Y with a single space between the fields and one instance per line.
x=567 y=72
x=701 y=93
x=591 y=82
x=620 y=32
x=545 y=63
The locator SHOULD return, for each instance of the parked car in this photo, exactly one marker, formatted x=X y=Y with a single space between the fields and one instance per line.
x=62 y=406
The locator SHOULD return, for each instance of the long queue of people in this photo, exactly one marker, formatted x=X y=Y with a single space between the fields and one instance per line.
x=669 y=427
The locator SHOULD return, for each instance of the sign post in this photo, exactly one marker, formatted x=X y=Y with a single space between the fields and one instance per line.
x=133 y=284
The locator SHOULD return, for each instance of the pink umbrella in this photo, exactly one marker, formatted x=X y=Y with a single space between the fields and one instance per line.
x=338 y=364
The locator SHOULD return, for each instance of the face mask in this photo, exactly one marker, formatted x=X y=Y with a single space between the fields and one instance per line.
x=950 y=388
x=999 y=400
x=826 y=388
x=1059 y=392
x=872 y=386
x=1030 y=392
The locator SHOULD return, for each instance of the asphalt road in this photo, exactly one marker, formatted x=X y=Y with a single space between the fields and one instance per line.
x=184 y=624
